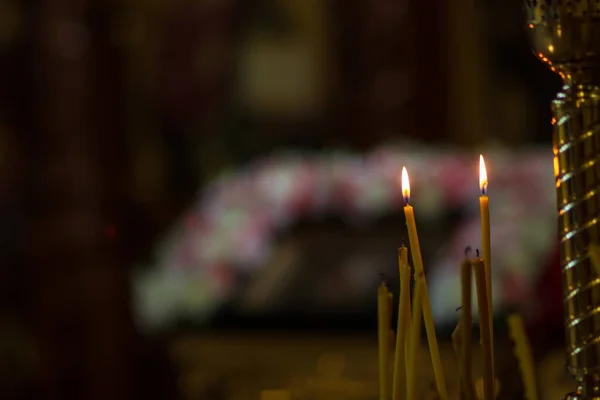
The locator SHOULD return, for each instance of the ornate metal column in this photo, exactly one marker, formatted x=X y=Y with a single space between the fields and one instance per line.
x=566 y=36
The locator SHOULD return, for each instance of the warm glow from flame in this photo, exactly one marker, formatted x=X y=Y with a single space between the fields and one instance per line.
x=483 y=180
x=405 y=185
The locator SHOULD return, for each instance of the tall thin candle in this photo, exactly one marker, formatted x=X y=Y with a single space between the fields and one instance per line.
x=466 y=324
x=403 y=255
x=457 y=345
x=486 y=249
x=484 y=329
x=415 y=248
x=383 y=331
x=524 y=355
x=391 y=333
x=404 y=260
x=399 y=380
x=275 y=395
x=415 y=336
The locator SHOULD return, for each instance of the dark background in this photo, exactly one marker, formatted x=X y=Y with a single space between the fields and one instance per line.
x=114 y=114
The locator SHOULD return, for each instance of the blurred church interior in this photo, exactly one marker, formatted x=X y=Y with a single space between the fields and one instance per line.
x=180 y=180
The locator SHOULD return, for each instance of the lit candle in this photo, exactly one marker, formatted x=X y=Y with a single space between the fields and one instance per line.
x=484 y=207
x=418 y=266
x=466 y=324
x=415 y=336
x=399 y=380
x=524 y=355
x=383 y=330
x=484 y=328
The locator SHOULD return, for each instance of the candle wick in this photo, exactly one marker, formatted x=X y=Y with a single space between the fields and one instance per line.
x=458 y=308
x=484 y=188
x=468 y=250
x=383 y=277
x=477 y=252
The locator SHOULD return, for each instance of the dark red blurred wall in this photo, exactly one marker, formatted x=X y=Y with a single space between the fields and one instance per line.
x=77 y=196
x=393 y=75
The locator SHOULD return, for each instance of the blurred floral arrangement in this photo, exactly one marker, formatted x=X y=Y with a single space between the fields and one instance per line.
x=232 y=226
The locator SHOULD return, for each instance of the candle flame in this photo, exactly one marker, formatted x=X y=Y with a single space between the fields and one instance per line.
x=483 y=180
x=405 y=185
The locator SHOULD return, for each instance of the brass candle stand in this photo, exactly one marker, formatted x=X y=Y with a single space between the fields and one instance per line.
x=566 y=36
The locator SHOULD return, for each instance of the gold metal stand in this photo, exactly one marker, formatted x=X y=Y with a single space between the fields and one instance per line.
x=566 y=36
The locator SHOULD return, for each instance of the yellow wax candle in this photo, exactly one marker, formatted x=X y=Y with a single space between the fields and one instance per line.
x=415 y=337
x=404 y=261
x=479 y=387
x=484 y=208
x=275 y=395
x=484 y=329
x=383 y=330
x=457 y=346
x=466 y=323
x=524 y=355
x=594 y=253
x=390 y=306
x=391 y=333
x=415 y=248
x=403 y=255
x=399 y=379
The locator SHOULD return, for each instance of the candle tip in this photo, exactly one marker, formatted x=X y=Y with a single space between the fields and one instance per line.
x=383 y=277
x=468 y=250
